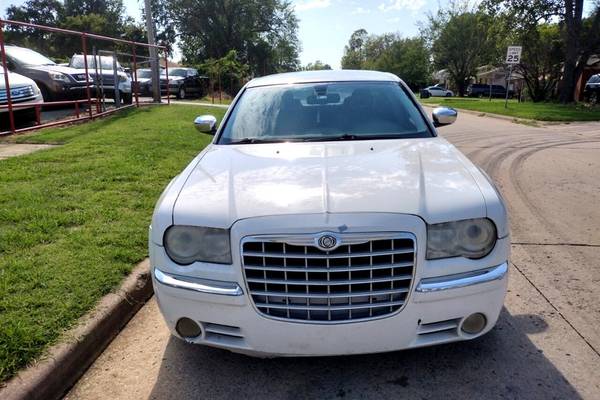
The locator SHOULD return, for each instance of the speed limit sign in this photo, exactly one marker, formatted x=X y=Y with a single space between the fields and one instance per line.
x=513 y=55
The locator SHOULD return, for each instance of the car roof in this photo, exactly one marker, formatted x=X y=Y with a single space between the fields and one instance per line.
x=344 y=75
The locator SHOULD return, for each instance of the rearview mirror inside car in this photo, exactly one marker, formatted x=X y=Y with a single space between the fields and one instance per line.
x=206 y=124
x=444 y=116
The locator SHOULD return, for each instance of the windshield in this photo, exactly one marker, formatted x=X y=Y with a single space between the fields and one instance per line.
x=144 y=73
x=177 y=72
x=322 y=112
x=27 y=57
x=103 y=62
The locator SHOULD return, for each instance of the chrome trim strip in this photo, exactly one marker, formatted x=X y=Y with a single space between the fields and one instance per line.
x=457 y=281
x=198 y=285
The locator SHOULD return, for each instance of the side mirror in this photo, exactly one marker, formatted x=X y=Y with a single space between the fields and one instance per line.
x=206 y=124
x=444 y=116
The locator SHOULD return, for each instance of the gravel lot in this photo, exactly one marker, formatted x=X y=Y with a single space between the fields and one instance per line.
x=546 y=344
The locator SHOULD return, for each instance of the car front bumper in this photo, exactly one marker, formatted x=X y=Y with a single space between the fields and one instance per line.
x=438 y=304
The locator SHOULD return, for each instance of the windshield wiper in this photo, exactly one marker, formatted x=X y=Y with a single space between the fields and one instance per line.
x=348 y=136
x=255 y=140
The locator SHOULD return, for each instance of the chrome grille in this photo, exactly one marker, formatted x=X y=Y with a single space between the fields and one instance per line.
x=16 y=94
x=367 y=276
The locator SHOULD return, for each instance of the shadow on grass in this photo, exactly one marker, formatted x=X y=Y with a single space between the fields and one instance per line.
x=502 y=364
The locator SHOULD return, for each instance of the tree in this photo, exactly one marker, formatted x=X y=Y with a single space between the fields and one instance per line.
x=540 y=62
x=408 y=58
x=263 y=32
x=581 y=36
x=226 y=69
x=460 y=42
x=41 y=12
x=316 y=66
x=354 y=52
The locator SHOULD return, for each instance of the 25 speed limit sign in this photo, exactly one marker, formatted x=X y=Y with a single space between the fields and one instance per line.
x=513 y=55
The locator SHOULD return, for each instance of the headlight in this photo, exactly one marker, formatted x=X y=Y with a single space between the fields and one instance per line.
x=471 y=238
x=36 y=89
x=185 y=244
x=122 y=78
x=57 y=76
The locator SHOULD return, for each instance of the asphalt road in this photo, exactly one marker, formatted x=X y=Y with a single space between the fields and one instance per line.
x=545 y=346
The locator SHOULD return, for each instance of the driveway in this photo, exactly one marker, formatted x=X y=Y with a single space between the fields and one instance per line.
x=545 y=346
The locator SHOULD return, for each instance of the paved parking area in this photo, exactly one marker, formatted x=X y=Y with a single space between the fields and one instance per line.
x=545 y=346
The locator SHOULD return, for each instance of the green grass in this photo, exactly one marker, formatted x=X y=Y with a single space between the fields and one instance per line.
x=74 y=219
x=224 y=100
x=528 y=110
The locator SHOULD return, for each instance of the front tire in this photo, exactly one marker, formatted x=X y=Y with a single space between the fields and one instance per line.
x=181 y=93
x=126 y=98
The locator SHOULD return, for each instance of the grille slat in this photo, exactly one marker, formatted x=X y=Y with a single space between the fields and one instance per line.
x=328 y=256
x=332 y=269
x=331 y=282
x=332 y=295
x=360 y=279
x=328 y=307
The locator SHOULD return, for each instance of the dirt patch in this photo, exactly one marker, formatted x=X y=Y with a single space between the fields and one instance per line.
x=8 y=150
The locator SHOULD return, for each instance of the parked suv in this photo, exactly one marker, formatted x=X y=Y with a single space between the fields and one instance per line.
x=186 y=81
x=482 y=90
x=55 y=82
x=105 y=79
x=328 y=217
x=591 y=92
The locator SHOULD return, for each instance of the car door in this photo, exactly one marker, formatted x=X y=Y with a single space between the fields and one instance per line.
x=436 y=91
x=193 y=81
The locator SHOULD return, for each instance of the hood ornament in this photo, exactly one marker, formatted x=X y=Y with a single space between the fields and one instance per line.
x=327 y=241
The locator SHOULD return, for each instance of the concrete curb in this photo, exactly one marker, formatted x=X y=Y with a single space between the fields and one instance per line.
x=53 y=375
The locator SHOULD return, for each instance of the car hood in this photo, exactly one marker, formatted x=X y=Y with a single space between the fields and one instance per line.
x=425 y=177
x=57 y=68
x=15 y=80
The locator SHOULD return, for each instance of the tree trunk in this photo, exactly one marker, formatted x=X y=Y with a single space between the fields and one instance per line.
x=573 y=27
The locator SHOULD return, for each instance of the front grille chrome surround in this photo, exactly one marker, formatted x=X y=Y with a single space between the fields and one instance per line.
x=367 y=276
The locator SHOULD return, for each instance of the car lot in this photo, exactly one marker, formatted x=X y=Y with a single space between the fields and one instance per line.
x=546 y=342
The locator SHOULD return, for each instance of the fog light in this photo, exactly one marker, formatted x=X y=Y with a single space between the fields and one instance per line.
x=187 y=328
x=474 y=324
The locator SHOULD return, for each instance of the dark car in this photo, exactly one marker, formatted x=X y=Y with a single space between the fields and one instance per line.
x=591 y=92
x=482 y=90
x=143 y=86
x=55 y=82
x=184 y=82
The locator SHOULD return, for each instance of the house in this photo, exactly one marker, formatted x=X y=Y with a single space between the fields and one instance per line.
x=492 y=75
x=592 y=67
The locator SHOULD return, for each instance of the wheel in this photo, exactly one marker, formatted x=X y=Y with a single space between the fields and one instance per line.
x=181 y=93
x=45 y=93
x=126 y=98
x=593 y=99
x=448 y=94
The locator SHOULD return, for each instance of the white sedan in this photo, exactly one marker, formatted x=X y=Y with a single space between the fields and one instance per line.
x=24 y=93
x=439 y=91
x=328 y=217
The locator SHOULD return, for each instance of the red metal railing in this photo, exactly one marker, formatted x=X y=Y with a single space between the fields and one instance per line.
x=84 y=38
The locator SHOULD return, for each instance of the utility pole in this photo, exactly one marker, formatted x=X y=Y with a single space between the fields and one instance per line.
x=153 y=53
